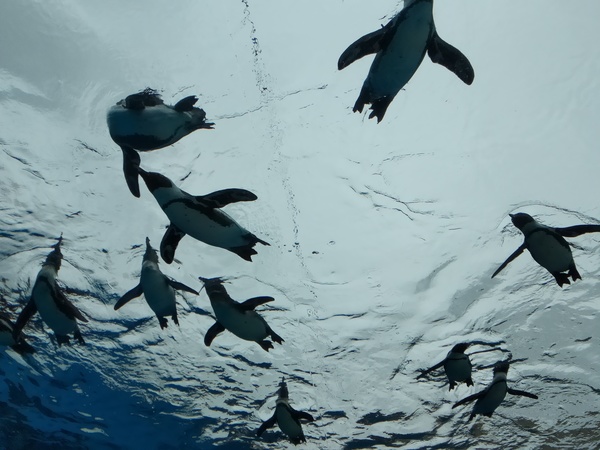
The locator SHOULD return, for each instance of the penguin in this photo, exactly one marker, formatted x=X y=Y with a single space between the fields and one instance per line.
x=6 y=337
x=491 y=397
x=238 y=318
x=400 y=47
x=47 y=297
x=457 y=366
x=548 y=246
x=143 y=122
x=200 y=217
x=286 y=417
x=158 y=289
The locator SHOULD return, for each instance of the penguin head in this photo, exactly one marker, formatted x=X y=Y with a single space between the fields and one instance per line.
x=54 y=258
x=155 y=180
x=501 y=367
x=150 y=254
x=214 y=286
x=520 y=220
x=283 y=393
x=460 y=348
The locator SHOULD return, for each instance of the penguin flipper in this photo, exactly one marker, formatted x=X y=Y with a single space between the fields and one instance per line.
x=29 y=310
x=66 y=307
x=180 y=286
x=253 y=302
x=266 y=425
x=451 y=58
x=431 y=369
x=131 y=165
x=577 y=230
x=169 y=243
x=129 y=295
x=368 y=44
x=516 y=253
x=185 y=104
x=212 y=333
x=302 y=415
x=522 y=393
x=224 y=197
x=468 y=399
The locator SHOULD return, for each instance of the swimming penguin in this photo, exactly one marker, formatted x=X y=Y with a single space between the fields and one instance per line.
x=200 y=217
x=286 y=417
x=548 y=246
x=6 y=337
x=400 y=47
x=491 y=397
x=143 y=122
x=46 y=297
x=158 y=289
x=238 y=318
x=457 y=366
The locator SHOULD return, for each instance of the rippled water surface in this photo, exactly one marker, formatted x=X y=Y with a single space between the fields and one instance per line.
x=383 y=236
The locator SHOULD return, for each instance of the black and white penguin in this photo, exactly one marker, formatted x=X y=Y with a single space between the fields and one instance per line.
x=457 y=366
x=200 y=217
x=158 y=289
x=400 y=47
x=491 y=397
x=548 y=246
x=238 y=318
x=49 y=300
x=286 y=417
x=143 y=122
x=7 y=336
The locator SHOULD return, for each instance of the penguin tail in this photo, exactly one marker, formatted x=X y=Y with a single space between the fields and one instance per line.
x=131 y=168
x=200 y=120
x=574 y=273
x=23 y=347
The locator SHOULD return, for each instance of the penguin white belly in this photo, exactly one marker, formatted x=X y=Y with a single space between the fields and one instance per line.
x=395 y=66
x=458 y=369
x=161 y=123
x=51 y=315
x=160 y=296
x=492 y=399
x=286 y=422
x=247 y=325
x=203 y=228
x=548 y=252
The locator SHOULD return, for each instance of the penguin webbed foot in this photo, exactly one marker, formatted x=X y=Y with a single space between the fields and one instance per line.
x=163 y=323
x=561 y=278
x=77 y=335
x=276 y=337
x=266 y=345
x=469 y=381
x=574 y=273
x=379 y=107
x=452 y=385
x=62 y=339
x=175 y=319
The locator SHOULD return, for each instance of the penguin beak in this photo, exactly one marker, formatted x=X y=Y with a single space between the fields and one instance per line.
x=511 y=215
